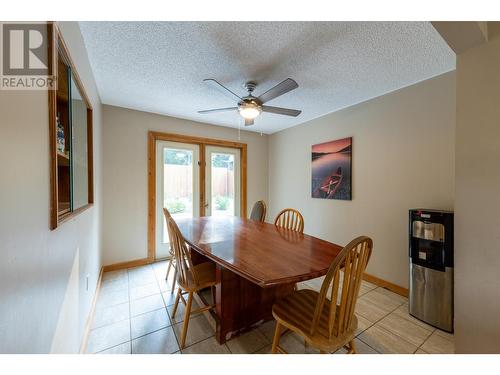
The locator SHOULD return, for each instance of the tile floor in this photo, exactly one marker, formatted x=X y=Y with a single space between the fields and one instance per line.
x=134 y=315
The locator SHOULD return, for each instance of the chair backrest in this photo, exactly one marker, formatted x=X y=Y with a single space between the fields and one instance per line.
x=167 y=215
x=290 y=218
x=258 y=211
x=352 y=260
x=184 y=265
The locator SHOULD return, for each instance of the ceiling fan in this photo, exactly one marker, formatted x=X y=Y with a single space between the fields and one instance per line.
x=250 y=106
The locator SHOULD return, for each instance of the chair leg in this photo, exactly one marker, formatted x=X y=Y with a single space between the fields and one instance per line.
x=175 y=279
x=277 y=336
x=168 y=269
x=176 y=303
x=187 y=313
x=352 y=347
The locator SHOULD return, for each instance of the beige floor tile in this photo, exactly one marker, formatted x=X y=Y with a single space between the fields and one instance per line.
x=160 y=267
x=363 y=290
x=144 y=291
x=125 y=348
x=368 y=285
x=166 y=285
x=405 y=329
x=138 y=273
x=420 y=351
x=181 y=309
x=112 y=298
x=109 y=315
x=146 y=304
x=446 y=335
x=369 y=311
x=402 y=311
x=294 y=344
x=380 y=299
x=169 y=298
x=141 y=279
x=437 y=344
x=361 y=348
x=386 y=342
x=114 y=285
x=265 y=350
x=108 y=336
x=158 y=342
x=199 y=329
x=248 y=342
x=267 y=329
x=147 y=268
x=208 y=346
x=149 y=322
x=363 y=324
x=394 y=296
x=114 y=275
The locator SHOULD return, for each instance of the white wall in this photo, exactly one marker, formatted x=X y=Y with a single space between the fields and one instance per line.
x=125 y=174
x=36 y=263
x=403 y=158
x=477 y=219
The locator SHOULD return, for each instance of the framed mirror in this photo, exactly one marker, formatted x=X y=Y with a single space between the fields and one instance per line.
x=71 y=150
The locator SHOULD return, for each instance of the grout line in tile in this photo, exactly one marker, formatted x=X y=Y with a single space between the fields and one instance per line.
x=156 y=330
x=129 y=311
x=114 y=346
x=394 y=333
x=197 y=342
x=168 y=315
x=427 y=339
x=360 y=339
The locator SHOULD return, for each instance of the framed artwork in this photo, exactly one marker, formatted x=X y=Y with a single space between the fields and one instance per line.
x=331 y=169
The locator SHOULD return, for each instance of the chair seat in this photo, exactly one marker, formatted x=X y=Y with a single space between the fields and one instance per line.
x=296 y=312
x=206 y=277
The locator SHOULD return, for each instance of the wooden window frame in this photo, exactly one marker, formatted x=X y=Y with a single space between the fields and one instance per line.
x=56 y=39
x=153 y=137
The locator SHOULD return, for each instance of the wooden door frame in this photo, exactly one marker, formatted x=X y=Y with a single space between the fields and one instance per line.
x=154 y=136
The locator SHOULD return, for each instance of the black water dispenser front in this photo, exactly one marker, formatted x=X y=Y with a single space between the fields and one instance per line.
x=431 y=267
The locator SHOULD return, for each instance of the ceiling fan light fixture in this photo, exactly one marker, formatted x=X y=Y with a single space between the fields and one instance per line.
x=249 y=110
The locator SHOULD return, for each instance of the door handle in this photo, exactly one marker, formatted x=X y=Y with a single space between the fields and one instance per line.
x=206 y=205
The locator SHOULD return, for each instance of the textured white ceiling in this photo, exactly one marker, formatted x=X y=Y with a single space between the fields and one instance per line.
x=159 y=66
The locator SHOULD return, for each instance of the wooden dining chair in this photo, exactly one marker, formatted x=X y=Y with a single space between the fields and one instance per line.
x=327 y=323
x=290 y=218
x=258 y=211
x=190 y=278
x=171 y=260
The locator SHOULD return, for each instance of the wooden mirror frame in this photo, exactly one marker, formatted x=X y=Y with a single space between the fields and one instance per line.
x=56 y=43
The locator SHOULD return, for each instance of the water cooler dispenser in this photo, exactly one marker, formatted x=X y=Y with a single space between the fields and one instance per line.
x=431 y=267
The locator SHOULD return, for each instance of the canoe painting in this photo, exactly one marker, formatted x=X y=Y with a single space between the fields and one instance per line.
x=331 y=169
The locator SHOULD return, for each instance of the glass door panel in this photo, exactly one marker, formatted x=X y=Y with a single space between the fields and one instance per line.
x=222 y=181
x=177 y=187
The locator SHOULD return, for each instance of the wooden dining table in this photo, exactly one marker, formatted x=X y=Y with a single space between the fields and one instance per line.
x=256 y=264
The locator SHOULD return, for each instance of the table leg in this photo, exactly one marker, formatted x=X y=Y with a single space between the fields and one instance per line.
x=241 y=303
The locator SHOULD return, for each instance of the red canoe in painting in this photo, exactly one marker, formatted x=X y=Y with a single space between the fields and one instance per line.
x=330 y=184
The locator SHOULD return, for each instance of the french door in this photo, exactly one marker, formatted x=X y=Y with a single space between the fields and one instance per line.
x=222 y=183
x=177 y=187
x=194 y=179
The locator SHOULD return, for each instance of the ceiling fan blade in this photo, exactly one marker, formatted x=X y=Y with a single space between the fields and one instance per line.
x=278 y=90
x=248 y=121
x=221 y=88
x=219 y=110
x=281 y=111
